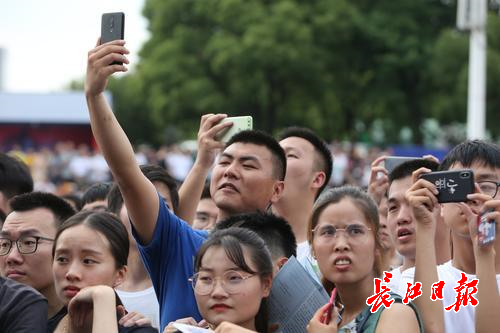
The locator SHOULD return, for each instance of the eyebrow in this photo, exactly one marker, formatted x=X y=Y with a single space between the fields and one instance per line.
x=235 y=268
x=243 y=158
x=487 y=176
x=84 y=251
x=27 y=232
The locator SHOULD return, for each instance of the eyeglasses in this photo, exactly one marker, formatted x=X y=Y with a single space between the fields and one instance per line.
x=25 y=245
x=489 y=187
x=203 y=282
x=329 y=232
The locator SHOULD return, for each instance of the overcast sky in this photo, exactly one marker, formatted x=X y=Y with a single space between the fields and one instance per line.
x=45 y=43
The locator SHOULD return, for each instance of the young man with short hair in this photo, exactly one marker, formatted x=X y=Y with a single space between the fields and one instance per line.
x=274 y=230
x=27 y=236
x=309 y=167
x=483 y=158
x=248 y=177
x=402 y=224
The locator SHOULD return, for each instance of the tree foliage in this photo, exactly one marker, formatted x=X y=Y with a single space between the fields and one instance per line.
x=328 y=65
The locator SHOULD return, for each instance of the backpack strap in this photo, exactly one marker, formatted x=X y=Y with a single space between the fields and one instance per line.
x=367 y=321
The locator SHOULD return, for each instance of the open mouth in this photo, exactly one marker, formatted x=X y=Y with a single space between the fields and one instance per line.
x=342 y=262
x=228 y=186
x=404 y=233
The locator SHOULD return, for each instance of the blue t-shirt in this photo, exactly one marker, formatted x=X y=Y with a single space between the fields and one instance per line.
x=169 y=259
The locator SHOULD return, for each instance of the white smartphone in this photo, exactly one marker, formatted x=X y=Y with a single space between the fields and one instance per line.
x=239 y=124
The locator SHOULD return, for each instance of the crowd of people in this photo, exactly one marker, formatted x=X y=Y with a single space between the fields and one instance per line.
x=66 y=168
x=142 y=254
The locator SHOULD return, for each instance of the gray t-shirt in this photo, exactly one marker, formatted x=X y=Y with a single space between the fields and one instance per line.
x=22 y=308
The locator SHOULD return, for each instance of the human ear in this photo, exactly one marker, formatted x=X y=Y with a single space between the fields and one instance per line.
x=319 y=179
x=120 y=276
x=278 y=189
x=267 y=283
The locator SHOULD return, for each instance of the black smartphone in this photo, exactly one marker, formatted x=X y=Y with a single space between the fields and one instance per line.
x=392 y=162
x=112 y=28
x=453 y=185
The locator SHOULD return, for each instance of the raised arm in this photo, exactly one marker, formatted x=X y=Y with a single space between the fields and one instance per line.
x=379 y=181
x=208 y=147
x=486 y=319
x=138 y=192
x=425 y=208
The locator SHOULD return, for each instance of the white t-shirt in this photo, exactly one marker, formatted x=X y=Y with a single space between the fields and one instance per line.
x=399 y=279
x=305 y=258
x=463 y=321
x=143 y=302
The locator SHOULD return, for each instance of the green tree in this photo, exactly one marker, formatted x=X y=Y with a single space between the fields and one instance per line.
x=328 y=65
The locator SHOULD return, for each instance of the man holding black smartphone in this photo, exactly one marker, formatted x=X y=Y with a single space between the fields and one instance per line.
x=247 y=178
x=483 y=158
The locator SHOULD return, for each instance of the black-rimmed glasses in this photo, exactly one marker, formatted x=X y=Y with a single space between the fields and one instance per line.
x=489 y=187
x=25 y=245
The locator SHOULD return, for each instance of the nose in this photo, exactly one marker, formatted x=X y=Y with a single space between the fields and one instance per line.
x=231 y=170
x=14 y=257
x=219 y=291
x=341 y=241
x=73 y=273
x=404 y=215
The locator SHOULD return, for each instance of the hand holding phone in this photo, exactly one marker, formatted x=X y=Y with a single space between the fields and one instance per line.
x=112 y=28
x=239 y=124
x=453 y=185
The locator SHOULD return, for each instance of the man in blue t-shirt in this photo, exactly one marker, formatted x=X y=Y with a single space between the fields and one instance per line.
x=247 y=177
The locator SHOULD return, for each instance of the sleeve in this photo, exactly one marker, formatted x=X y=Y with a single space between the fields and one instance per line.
x=168 y=259
x=27 y=312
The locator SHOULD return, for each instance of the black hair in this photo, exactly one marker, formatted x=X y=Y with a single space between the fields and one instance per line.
x=15 y=176
x=115 y=200
x=74 y=200
x=260 y=138
x=29 y=201
x=95 y=192
x=274 y=230
x=206 y=192
x=466 y=153
x=108 y=225
x=156 y=173
x=233 y=240
x=324 y=160
x=406 y=169
x=363 y=202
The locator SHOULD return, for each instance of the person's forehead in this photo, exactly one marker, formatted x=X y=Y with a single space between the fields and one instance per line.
x=239 y=150
x=481 y=171
x=39 y=220
x=297 y=143
x=398 y=188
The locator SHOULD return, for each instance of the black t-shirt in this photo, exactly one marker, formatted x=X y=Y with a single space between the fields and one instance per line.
x=22 y=308
x=54 y=320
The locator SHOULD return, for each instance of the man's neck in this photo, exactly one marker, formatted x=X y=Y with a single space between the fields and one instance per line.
x=54 y=303
x=297 y=212
x=463 y=254
x=408 y=262
x=137 y=276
